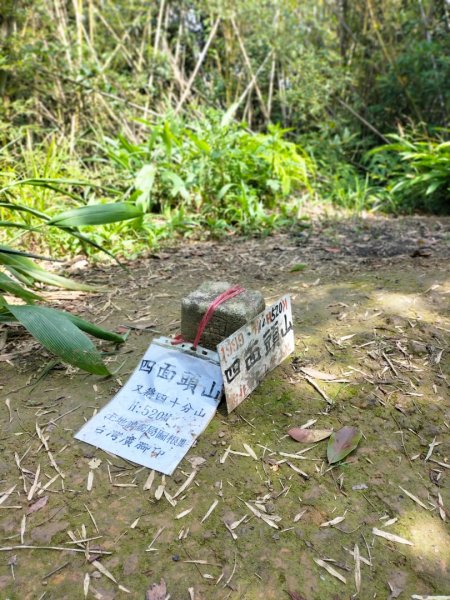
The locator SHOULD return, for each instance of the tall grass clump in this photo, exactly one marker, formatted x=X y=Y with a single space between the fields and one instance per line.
x=415 y=170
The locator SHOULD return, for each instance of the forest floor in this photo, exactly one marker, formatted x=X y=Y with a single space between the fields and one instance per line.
x=371 y=306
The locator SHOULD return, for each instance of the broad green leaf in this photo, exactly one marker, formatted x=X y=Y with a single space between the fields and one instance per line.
x=9 y=286
x=143 y=182
x=24 y=266
x=59 y=335
x=224 y=190
x=178 y=185
x=342 y=442
x=96 y=214
x=93 y=329
x=199 y=143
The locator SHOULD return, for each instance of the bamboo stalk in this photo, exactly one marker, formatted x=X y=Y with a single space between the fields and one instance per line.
x=62 y=26
x=156 y=44
x=250 y=70
x=78 y=11
x=251 y=83
x=363 y=120
x=200 y=60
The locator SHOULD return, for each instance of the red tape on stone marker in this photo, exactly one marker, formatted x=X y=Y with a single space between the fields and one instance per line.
x=227 y=295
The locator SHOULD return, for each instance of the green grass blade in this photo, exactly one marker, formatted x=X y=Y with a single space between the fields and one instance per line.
x=9 y=286
x=20 y=207
x=59 y=335
x=19 y=226
x=97 y=214
x=11 y=251
x=51 y=183
x=29 y=269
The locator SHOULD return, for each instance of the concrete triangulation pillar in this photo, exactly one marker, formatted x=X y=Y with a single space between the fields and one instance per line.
x=227 y=318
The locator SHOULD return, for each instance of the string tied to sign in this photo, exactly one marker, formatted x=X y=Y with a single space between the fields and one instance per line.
x=220 y=299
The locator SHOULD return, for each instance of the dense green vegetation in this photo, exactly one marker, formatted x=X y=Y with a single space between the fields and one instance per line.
x=127 y=123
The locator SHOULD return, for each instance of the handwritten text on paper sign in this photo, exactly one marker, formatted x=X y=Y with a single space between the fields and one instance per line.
x=254 y=349
x=154 y=419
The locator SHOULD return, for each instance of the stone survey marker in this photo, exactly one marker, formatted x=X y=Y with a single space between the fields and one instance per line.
x=176 y=388
x=250 y=339
x=227 y=318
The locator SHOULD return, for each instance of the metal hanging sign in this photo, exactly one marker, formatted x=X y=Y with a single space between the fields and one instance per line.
x=254 y=349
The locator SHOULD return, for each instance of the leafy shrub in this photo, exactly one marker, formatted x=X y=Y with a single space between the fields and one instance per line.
x=214 y=169
x=416 y=172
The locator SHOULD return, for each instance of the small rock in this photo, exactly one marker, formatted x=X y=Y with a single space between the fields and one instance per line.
x=360 y=486
x=176 y=557
x=270 y=508
x=417 y=347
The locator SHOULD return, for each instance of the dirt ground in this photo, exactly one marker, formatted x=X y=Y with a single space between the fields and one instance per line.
x=371 y=306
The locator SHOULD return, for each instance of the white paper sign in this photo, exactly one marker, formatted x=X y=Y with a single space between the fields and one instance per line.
x=167 y=402
x=254 y=349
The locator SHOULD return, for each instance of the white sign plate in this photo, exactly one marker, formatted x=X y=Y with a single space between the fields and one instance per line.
x=254 y=349
x=167 y=402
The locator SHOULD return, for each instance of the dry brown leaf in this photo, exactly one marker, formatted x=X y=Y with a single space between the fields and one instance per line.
x=330 y=569
x=309 y=436
x=103 y=570
x=441 y=508
x=299 y=515
x=149 y=481
x=184 y=513
x=391 y=537
x=250 y=451
x=37 y=505
x=157 y=591
x=414 y=498
x=315 y=374
x=211 y=508
x=357 y=568
x=333 y=522
x=86 y=582
x=6 y=494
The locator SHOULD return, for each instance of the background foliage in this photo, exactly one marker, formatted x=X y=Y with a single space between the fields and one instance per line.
x=124 y=123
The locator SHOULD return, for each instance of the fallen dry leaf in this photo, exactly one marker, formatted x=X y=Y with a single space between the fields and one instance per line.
x=333 y=522
x=157 y=591
x=357 y=568
x=315 y=374
x=414 y=498
x=330 y=569
x=37 y=505
x=196 y=461
x=309 y=436
x=342 y=442
x=391 y=537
